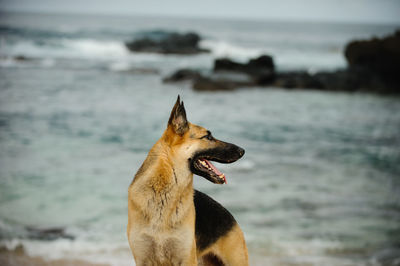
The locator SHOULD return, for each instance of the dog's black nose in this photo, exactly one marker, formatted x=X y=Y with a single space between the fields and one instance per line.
x=241 y=151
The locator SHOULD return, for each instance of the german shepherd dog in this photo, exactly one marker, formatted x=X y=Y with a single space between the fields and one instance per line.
x=170 y=223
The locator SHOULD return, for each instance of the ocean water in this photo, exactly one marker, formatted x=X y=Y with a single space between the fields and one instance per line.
x=319 y=183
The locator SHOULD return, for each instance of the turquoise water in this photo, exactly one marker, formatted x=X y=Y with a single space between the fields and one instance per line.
x=319 y=183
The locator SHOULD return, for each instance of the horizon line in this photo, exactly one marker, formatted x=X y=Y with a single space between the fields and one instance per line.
x=194 y=17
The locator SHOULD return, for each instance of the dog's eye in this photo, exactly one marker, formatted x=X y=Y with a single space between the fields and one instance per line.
x=208 y=136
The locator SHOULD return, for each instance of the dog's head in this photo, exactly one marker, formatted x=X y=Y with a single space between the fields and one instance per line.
x=196 y=146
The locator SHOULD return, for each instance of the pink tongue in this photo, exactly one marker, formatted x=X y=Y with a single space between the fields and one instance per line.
x=213 y=167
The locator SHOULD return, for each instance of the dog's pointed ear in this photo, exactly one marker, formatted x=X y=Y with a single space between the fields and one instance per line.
x=177 y=120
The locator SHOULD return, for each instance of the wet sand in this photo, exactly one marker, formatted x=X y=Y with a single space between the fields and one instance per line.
x=18 y=257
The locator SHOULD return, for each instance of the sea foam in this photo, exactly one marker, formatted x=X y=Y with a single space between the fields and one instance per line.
x=66 y=48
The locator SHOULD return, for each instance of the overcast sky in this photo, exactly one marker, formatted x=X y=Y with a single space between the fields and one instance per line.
x=373 y=11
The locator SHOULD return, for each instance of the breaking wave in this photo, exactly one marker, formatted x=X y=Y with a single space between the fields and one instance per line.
x=65 y=48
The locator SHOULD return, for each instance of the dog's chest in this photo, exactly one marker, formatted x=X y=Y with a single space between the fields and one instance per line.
x=161 y=228
x=162 y=247
x=166 y=208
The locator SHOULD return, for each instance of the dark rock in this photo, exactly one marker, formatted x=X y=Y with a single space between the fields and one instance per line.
x=253 y=66
x=379 y=62
x=240 y=79
x=264 y=79
x=296 y=79
x=341 y=80
x=378 y=55
x=352 y=80
x=264 y=62
x=229 y=75
x=226 y=64
x=167 y=43
x=22 y=58
x=206 y=84
x=183 y=75
x=47 y=233
x=221 y=81
x=260 y=69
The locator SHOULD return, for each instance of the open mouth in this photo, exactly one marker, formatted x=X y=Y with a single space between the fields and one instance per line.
x=201 y=164
x=203 y=167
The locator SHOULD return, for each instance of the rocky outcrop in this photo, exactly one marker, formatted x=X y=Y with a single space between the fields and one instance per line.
x=378 y=60
x=351 y=80
x=208 y=84
x=379 y=55
x=260 y=69
x=296 y=79
x=167 y=43
x=229 y=75
x=182 y=75
x=373 y=66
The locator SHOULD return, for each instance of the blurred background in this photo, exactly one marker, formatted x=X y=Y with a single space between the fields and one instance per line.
x=86 y=88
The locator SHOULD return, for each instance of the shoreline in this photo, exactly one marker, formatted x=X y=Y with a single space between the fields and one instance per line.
x=18 y=257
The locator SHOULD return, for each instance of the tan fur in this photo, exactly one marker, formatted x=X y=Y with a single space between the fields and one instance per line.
x=161 y=213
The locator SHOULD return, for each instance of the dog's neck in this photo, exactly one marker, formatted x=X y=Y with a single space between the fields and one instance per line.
x=167 y=184
x=165 y=170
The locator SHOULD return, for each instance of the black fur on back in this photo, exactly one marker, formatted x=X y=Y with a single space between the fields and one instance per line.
x=212 y=220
